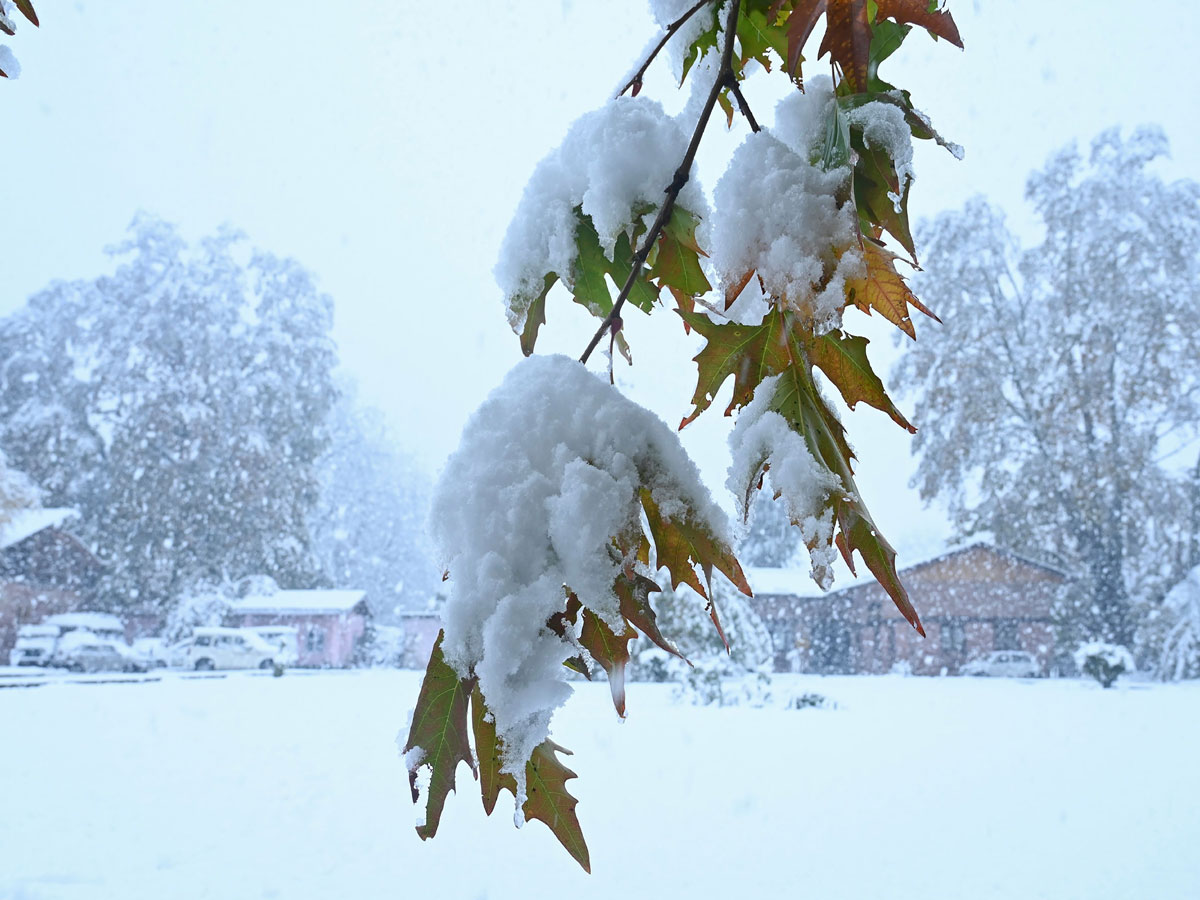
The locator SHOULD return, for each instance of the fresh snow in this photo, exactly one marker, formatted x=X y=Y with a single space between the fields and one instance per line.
x=778 y=213
x=883 y=126
x=546 y=474
x=8 y=63
x=612 y=160
x=667 y=11
x=911 y=789
x=762 y=437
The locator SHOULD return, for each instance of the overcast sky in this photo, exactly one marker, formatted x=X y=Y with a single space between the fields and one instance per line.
x=385 y=144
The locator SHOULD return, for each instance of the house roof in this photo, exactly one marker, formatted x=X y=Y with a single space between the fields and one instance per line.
x=303 y=601
x=24 y=523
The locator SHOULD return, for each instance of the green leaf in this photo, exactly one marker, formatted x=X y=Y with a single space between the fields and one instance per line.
x=548 y=801
x=535 y=316
x=439 y=728
x=643 y=294
x=749 y=353
x=681 y=542
x=487 y=748
x=588 y=284
x=610 y=650
x=677 y=262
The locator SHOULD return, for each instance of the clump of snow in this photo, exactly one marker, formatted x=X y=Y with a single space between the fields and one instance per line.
x=667 y=11
x=779 y=213
x=547 y=473
x=883 y=125
x=612 y=160
x=761 y=437
x=8 y=63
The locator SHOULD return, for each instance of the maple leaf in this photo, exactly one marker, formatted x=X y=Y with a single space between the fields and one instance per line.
x=747 y=352
x=680 y=543
x=876 y=186
x=27 y=11
x=535 y=316
x=884 y=290
x=546 y=797
x=439 y=729
x=633 y=592
x=843 y=359
x=848 y=26
x=610 y=650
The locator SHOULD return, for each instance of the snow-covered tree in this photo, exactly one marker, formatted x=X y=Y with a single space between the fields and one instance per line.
x=770 y=540
x=17 y=491
x=179 y=404
x=1180 y=656
x=369 y=527
x=565 y=500
x=1060 y=401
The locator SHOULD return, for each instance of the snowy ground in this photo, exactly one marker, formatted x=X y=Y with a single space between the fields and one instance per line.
x=249 y=786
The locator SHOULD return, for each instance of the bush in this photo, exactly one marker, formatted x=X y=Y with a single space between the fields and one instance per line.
x=1103 y=662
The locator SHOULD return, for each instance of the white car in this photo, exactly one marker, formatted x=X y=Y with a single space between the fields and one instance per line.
x=35 y=645
x=228 y=648
x=82 y=651
x=1005 y=664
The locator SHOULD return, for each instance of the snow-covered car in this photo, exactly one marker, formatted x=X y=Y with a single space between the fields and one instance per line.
x=1004 y=664
x=229 y=648
x=35 y=645
x=285 y=637
x=83 y=651
x=102 y=625
x=152 y=651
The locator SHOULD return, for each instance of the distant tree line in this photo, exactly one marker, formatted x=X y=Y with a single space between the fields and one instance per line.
x=186 y=406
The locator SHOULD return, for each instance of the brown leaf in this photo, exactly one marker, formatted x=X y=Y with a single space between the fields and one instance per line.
x=439 y=728
x=634 y=595
x=884 y=290
x=547 y=800
x=843 y=359
x=610 y=650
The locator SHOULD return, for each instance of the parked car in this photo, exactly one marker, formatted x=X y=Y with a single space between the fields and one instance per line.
x=1004 y=664
x=82 y=651
x=229 y=648
x=35 y=645
x=151 y=651
x=284 y=637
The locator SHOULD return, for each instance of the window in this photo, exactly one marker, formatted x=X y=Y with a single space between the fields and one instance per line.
x=1006 y=635
x=954 y=639
x=203 y=641
x=314 y=639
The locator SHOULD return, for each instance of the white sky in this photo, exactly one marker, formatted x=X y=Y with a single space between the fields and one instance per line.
x=385 y=144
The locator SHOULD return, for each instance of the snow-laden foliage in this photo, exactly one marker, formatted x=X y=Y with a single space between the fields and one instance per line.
x=610 y=168
x=1060 y=401
x=179 y=404
x=1103 y=661
x=17 y=491
x=550 y=470
x=778 y=214
x=1180 y=656
x=204 y=605
x=761 y=439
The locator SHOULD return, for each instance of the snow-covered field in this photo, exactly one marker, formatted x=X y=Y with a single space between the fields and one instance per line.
x=249 y=786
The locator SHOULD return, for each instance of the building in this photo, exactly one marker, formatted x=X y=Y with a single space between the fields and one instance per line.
x=44 y=569
x=330 y=623
x=971 y=600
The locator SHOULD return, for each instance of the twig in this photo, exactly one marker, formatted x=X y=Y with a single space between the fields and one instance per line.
x=736 y=90
x=636 y=81
x=682 y=174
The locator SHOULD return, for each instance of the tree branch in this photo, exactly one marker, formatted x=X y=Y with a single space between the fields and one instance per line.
x=636 y=81
x=736 y=90
x=682 y=174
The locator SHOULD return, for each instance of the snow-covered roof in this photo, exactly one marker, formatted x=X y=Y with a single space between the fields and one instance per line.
x=797 y=581
x=304 y=601
x=89 y=621
x=23 y=523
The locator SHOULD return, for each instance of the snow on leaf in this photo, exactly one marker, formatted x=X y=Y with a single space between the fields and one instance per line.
x=439 y=730
x=677 y=261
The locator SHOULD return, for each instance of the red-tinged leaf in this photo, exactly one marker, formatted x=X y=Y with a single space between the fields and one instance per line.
x=749 y=353
x=859 y=533
x=843 y=359
x=682 y=542
x=634 y=592
x=610 y=650
x=848 y=39
x=547 y=800
x=716 y=620
x=800 y=25
x=439 y=728
x=5 y=28
x=26 y=9
x=684 y=303
x=734 y=290
x=883 y=289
